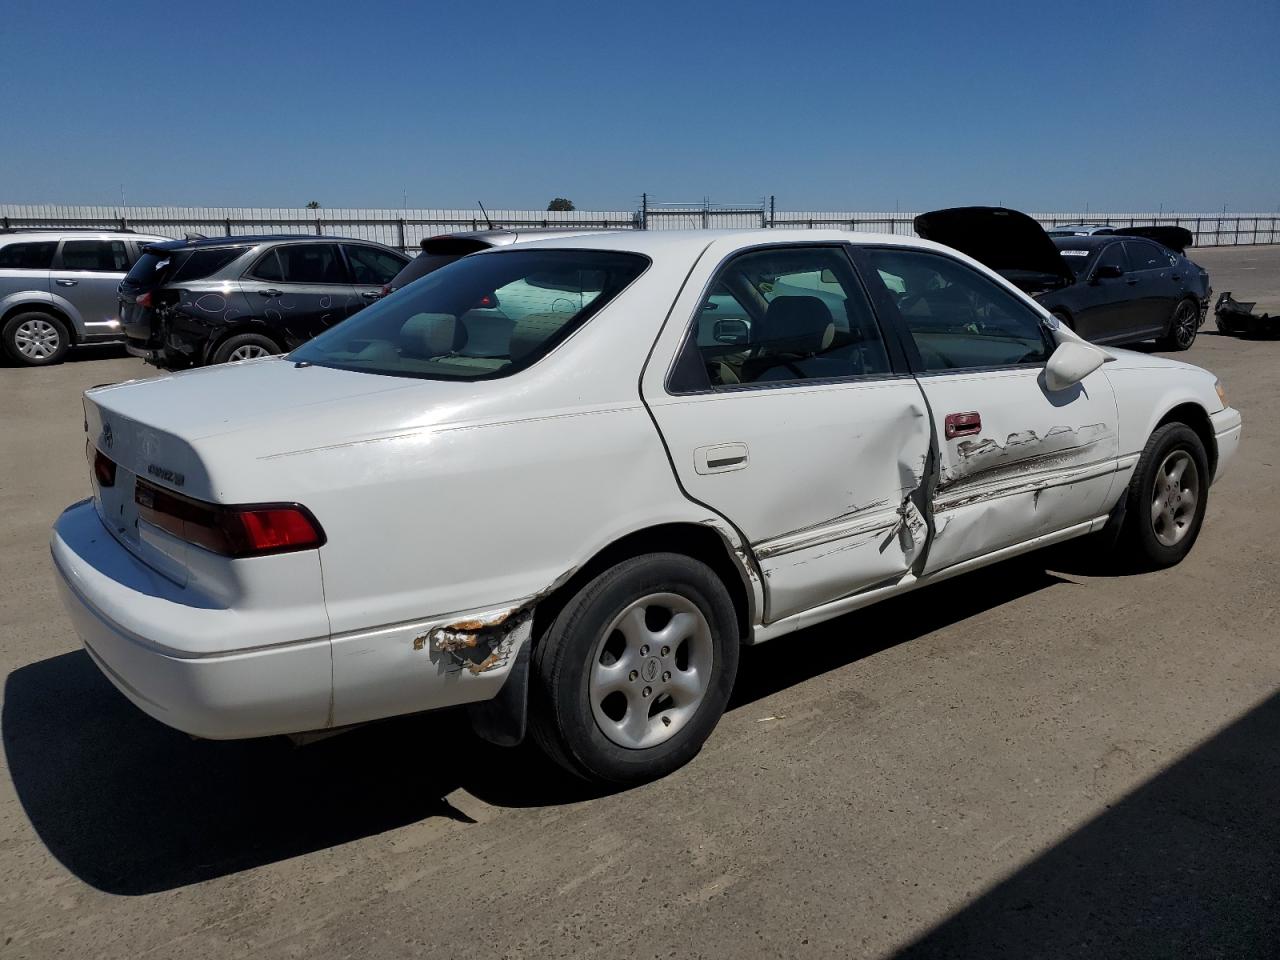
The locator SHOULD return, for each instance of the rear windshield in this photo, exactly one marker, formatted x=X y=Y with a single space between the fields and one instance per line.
x=180 y=266
x=477 y=318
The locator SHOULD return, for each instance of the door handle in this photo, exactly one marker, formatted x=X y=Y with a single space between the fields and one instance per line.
x=720 y=458
x=67 y=283
x=270 y=293
x=370 y=294
x=1176 y=276
x=962 y=424
x=1131 y=281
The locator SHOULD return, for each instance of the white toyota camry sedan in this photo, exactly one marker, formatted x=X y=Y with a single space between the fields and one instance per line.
x=562 y=482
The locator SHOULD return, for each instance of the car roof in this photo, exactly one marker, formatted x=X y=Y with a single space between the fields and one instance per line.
x=254 y=239
x=666 y=243
x=10 y=236
x=1086 y=241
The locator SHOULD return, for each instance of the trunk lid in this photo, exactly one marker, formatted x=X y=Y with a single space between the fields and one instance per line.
x=1007 y=241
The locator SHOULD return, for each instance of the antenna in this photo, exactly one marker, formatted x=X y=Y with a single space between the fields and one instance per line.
x=486 y=216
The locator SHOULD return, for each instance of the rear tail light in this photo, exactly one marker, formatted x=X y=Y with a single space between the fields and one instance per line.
x=104 y=468
x=251 y=530
x=385 y=291
x=143 y=299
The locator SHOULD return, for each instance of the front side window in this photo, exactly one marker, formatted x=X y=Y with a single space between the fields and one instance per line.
x=95 y=256
x=958 y=318
x=28 y=256
x=1114 y=256
x=481 y=317
x=787 y=314
x=371 y=266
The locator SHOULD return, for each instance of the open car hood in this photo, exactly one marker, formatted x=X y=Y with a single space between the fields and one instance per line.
x=1009 y=242
x=1175 y=238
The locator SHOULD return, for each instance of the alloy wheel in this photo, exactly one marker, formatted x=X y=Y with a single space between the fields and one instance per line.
x=651 y=670
x=1174 y=497
x=1186 y=321
x=249 y=351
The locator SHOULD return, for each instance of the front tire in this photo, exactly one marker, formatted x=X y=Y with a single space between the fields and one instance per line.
x=1167 y=498
x=1184 y=325
x=36 y=339
x=633 y=674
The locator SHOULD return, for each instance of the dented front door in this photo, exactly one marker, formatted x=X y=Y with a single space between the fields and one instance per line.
x=1027 y=462
x=1015 y=460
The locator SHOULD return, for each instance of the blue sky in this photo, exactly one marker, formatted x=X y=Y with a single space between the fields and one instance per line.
x=826 y=105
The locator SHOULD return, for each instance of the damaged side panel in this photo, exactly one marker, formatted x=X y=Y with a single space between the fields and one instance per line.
x=1042 y=462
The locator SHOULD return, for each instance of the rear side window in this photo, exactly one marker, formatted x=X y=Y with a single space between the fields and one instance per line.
x=95 y=256
x=28 y=256
x=372 y=266
x=478 y=318
x=1113 y=256
x=149 y=268
x=787 y=315
x=1146 y=256
x=204 y=263
x=958 y=318
x=310 y=263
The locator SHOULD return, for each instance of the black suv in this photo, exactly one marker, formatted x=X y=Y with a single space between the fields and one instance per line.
x=192 y=302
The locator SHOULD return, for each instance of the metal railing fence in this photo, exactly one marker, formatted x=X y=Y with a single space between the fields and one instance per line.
x=407 y=228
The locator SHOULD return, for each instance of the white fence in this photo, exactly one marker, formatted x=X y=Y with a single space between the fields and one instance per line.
x=407 y=228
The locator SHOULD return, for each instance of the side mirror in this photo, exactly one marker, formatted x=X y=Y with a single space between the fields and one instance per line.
x=1070 y=363
x=1108 y=271
x=731 y=330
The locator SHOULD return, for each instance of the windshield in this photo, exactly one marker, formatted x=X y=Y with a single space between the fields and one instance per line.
x=1079 y=259
x=484 y=316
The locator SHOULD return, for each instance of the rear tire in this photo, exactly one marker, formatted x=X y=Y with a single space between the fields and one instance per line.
x=1184 y=324
x=35 y=338
x=244 y=346
x=1167 y=497
x=633 y=674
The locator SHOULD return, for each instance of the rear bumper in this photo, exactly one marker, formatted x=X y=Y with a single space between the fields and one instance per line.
x=283 y=688
x=1227 y=428
x=187 y=661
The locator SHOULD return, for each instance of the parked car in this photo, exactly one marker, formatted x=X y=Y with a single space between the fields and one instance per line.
x=1110 y=288
x=58 y=289
x=576 y=528
x=447 y=247
x=1079 y=229
x=193 y=302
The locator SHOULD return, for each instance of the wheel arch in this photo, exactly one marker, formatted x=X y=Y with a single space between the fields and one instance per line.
x=41 y=306
x=1197 y=418
x=701 y=541
x=235 y=329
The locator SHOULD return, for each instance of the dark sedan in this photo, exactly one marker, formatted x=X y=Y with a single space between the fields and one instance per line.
x=1134 y=284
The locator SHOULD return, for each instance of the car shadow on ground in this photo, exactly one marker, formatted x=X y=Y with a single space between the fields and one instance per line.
x=133 y=807
x=1187 y=865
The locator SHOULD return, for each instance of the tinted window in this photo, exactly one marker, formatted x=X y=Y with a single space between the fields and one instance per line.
x=788 y=314
x=149 y=268
x=202 y=263
x=28 y=256
x=480 y=317
x=1114 y=256
x=308 y=263
x=1146 y=256
x=957 y=317
x=369 y=265
x=268 y=268
x=98 y=256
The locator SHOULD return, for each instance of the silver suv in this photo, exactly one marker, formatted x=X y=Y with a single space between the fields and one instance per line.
x=58 y=289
